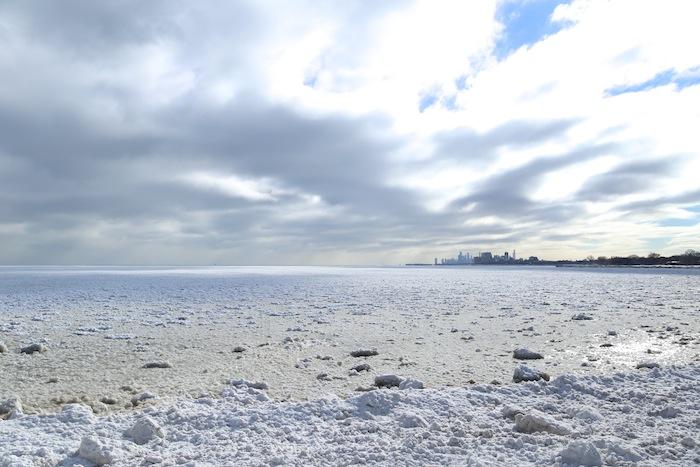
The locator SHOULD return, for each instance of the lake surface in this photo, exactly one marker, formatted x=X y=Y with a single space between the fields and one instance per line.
x=297 y=325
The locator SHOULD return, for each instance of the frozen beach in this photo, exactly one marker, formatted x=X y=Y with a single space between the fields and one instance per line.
x=112 y=345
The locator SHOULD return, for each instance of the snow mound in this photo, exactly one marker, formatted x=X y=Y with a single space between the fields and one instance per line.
x=527 y=424
x=581 y=317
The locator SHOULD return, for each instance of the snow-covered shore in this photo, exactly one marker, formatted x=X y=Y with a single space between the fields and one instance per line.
x=643 y=417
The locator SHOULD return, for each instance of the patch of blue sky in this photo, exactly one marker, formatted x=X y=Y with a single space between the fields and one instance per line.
x=681 y=80
x=461 y=83
x=673 y=222
x=688 y=78
x=525 y=22
x=311 y=80
x=678 y=222
x=427 y=100
x=685 y=221
x=450 y=102
x=658 y=243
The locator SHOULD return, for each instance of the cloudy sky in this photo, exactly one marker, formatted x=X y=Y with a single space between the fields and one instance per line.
x=346 y=132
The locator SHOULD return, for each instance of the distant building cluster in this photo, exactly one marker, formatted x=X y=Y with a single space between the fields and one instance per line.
x=485 y=257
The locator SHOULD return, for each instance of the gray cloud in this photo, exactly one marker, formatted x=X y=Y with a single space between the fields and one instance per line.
x=689 y=198
x=465 y=146
x=506 y=195
x=93 y=165
x=628 y=178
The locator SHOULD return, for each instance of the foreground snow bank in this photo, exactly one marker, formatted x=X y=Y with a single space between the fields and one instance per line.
x=647 y=417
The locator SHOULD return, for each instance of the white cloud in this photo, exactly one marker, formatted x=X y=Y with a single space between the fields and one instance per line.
x=234 y=186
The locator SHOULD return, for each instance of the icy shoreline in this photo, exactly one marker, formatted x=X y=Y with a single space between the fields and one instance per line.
x=645 y=416
x=108 y=335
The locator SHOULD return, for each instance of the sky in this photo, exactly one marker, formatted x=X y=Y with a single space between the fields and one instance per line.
x=356 y=132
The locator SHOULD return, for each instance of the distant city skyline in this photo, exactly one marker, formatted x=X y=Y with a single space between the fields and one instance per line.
x=346 y=133
x=480 y=257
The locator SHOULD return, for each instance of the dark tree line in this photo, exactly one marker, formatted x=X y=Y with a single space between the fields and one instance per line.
x=689 y=258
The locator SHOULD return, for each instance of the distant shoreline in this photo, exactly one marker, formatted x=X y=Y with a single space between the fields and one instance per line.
x=565 y=265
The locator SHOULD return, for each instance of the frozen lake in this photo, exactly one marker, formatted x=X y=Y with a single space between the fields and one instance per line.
x=294 y=327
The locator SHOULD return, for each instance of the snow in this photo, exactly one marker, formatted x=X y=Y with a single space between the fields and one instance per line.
x=102 y=325
x=439 y=329
x=536 y=423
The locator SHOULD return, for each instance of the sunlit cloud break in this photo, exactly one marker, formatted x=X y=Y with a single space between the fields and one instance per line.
x=348 y=132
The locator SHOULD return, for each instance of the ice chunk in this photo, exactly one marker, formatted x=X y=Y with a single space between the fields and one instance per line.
x=144 y=396
x=648 y=365
x=387 y=381
x=361 y=367
x=666 y=412
x=579 y=452
x=161 y=364
x=364 y=353
x=412 y=421
x=524 y=373
x=77 y=413
x=251 y=384
x=409 y=383
x=145 y=430
x=33 y=348
x=526 y=354
x=688 y=442
x=96 y=450
x=535 y=421
x=13 y=403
